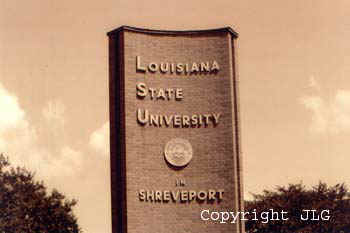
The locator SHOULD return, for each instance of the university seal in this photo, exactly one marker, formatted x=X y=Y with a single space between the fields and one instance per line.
x=178 y=152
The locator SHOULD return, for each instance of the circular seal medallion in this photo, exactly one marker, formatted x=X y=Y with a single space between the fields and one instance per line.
x=178 y=152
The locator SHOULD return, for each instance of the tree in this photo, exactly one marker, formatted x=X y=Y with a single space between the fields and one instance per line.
x=294 y=199
x=27 y=207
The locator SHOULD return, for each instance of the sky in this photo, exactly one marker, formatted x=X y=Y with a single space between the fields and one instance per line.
x=293 y=64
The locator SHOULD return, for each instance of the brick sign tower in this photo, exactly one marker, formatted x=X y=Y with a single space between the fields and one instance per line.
x=174 y=133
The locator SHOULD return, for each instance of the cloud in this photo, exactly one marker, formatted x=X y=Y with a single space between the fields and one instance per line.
x=11 y=113
x=341 y=109
x=19 y=139
x=41 y=149
x=314 y=84
x=99 y=139
x=330 y=114
x=320 y=114
x=68 y=162
x=53 y=113
x=16 y=134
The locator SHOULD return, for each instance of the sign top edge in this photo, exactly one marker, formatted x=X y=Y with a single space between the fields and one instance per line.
x=171 y=32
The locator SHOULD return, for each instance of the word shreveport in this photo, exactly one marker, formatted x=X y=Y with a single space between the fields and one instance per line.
x=180 y=195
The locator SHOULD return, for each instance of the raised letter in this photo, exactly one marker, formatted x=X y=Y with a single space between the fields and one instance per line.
x=166 y=196
x=194 y=120
x=141 y=89
x=153 y=67
x=194 y=67
x=169 y=92
x=179 y=94
x=220 y=191
x=211 y=194
x=177 y=121
x=168 y=119
x=138 y=65
x=200 y=196
x=154 y=120
x=216 y=118
x=161 y=94
x=185 y=121
x=192 y=195
x=184 y=195
x=206 y=120
x=215 y=66
x=164 y=67
x=205 y=66
x=142 y=195
x=152 y=91
x=175 y=195
x=142 y=120
x=150 y=195
x=158 y=195
x=179 y=68
x=172 y=68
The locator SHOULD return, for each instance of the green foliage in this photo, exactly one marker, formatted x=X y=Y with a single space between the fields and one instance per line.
x=295 y=198
x=27 y=207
